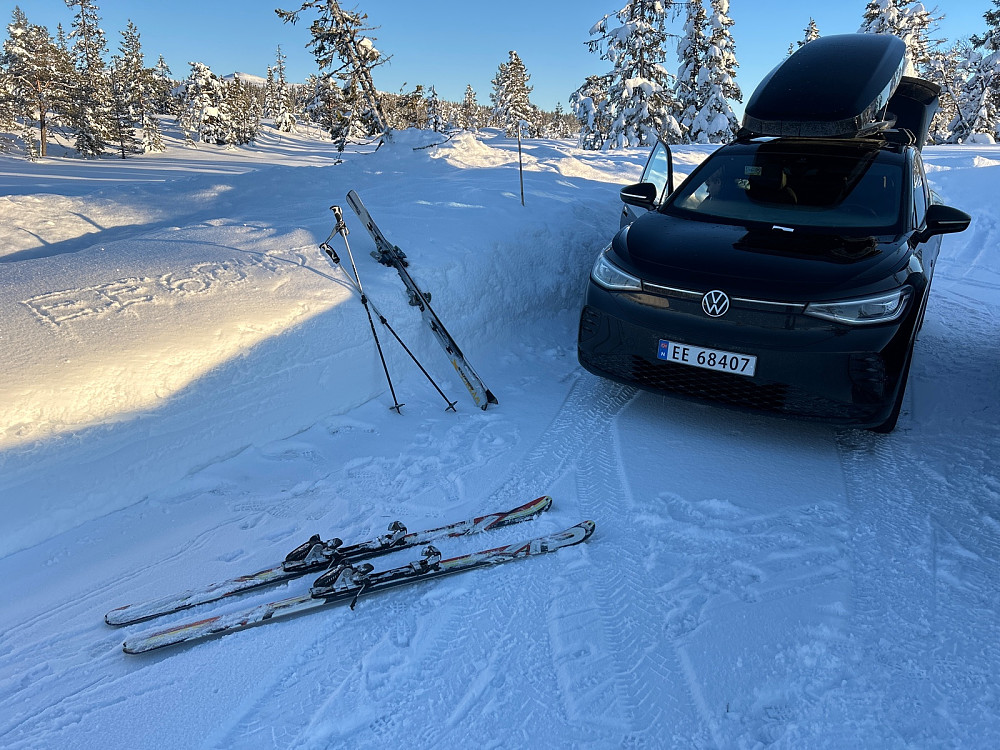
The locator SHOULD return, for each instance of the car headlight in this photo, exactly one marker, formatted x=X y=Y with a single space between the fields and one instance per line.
x=880 y=308
x=610 y=276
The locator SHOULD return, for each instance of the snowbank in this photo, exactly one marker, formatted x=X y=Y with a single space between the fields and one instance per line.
x=189 y=390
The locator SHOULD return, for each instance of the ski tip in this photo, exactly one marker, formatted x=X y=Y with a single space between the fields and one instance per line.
x=530 y=509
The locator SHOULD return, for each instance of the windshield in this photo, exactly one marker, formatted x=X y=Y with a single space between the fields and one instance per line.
x=806 y=187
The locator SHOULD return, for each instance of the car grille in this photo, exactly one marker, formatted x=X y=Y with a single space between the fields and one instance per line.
x=724 y=387
x=692 y=381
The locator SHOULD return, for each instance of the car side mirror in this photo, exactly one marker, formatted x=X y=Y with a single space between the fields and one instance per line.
x=945 y=220
x=641 y=195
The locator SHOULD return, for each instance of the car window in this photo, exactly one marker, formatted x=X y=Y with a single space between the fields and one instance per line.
x=852 y=189
x=657 y=169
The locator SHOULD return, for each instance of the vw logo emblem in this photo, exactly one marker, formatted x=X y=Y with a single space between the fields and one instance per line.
x=715 y=303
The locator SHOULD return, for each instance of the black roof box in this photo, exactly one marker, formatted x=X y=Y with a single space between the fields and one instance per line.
x=833 y=87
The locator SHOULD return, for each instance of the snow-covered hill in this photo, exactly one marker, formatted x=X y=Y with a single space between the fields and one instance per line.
x=189 y=390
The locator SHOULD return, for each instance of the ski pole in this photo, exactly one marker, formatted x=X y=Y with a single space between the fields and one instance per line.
x=341 y=229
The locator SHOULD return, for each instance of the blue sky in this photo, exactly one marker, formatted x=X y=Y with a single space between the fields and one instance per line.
x=451 y=44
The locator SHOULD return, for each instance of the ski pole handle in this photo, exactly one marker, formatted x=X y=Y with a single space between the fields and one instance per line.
x=338 y=214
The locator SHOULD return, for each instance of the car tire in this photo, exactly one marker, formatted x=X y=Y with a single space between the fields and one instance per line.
x=890 y=423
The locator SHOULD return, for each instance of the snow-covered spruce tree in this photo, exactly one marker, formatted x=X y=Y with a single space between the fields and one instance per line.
x=270 y=94
x=35 y=81
x=639 y=103
x=138 y=85
x=90 y=105
x=948 y=68
x=560 y=124
x=467 y=117
x=512 y=107
x=325 y=103
x=715 y=122
x=692 y=86
x=811 y=33
x=907 y=19
x=406 y=110
x=343 y=49
x=587 y=103
x=282 y=105
x=437 y=120
x=123 y=112
x=240 y=112
x=164 y=102
x=201 y=102
x=979 y=100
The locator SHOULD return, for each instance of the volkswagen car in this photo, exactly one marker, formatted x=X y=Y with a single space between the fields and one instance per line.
x=790 y=271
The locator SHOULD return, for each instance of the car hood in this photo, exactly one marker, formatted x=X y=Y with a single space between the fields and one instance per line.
x=755 y=261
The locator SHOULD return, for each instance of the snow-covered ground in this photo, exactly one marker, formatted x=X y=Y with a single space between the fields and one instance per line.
x=188 y=390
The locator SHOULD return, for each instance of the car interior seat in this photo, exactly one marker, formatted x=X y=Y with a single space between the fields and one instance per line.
x=770 y=185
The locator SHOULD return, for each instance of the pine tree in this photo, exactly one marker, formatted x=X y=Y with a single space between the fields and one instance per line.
x=906 y=19
x=90 y=110
x=123 y=107
x=947 y=67
x=240 y=112
x=201 y=103
x=979 y=99
x=468 y=112
x=639 y=101
x=588 y=105
x=284 y=119
x=138 y=86
x=343 y=49
x=35 y=73
x=692 y=87
x=408 y=110
x=270 y=94
x=560 y=124
x=163 y=85
x=436 y=119
x=512 y=107
x=715 y=121
x=325 y=104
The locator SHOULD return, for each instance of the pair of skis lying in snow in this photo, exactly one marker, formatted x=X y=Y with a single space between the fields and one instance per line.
x=345 y=579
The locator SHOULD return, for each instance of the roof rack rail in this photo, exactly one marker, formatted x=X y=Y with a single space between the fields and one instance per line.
x=900 y=136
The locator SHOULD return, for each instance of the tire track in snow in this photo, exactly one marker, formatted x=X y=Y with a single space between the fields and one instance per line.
x=926 y=570
x=393 y=644
x=590 y=405
x=926 y=544
x=652 y=690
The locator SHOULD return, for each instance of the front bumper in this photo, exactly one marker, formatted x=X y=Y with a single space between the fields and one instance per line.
x=806 y=367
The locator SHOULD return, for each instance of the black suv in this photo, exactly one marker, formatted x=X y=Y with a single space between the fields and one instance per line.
x=790 y=271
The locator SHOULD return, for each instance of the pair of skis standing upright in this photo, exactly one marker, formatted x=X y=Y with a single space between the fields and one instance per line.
x=390 y=255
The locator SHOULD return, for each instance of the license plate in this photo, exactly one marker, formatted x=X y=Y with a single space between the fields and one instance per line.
x=708 y=359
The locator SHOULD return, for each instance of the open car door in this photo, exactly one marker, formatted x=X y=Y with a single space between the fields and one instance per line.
x=656 y=184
